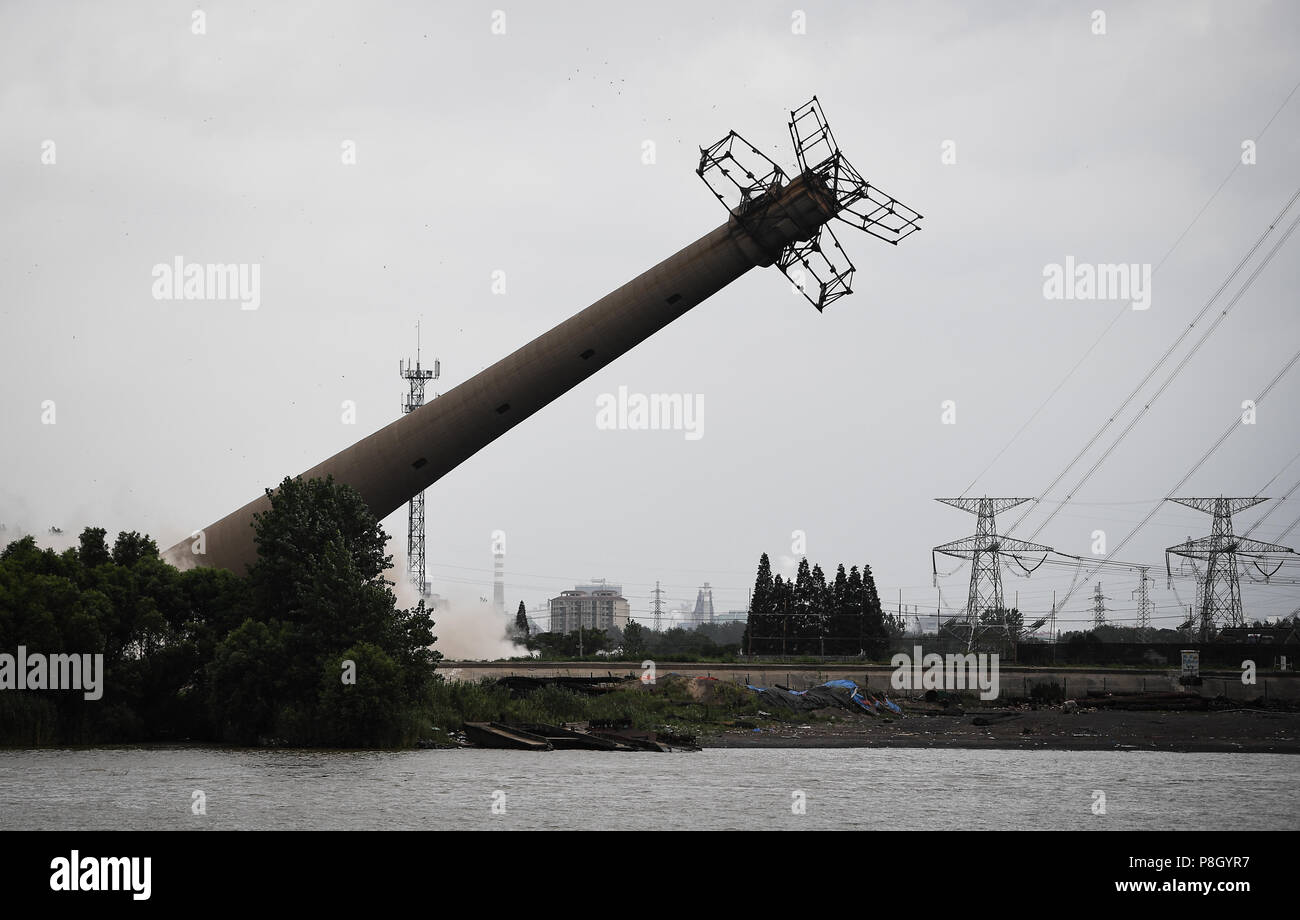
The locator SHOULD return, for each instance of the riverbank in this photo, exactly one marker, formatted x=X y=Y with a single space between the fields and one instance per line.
x=721 y=714
x=1223 y=731
x=1015 y=681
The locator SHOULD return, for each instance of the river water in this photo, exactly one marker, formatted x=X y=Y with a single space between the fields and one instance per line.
x=862 y=788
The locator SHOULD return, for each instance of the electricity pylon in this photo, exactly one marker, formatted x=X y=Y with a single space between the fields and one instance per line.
x=1098 y=607
x=985 y=610
x=1145 y=605
x=1218 y=595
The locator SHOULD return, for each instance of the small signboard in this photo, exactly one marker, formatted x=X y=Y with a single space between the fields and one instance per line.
x=1191 y=663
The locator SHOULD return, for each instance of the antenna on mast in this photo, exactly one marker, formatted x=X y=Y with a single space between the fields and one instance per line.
x=415 y=544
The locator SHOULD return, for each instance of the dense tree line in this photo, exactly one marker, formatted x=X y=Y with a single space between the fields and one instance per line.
x=207 y=655
x=704 y=642
x=808 y=615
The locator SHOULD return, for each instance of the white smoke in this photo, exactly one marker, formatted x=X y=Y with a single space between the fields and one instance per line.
x=19 y=519
x=467 y=629
x=46 y=537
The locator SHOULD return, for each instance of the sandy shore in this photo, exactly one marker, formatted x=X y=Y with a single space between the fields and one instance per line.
x=1258 y=731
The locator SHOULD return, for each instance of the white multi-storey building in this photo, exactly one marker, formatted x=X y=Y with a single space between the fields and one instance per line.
x=597 y=606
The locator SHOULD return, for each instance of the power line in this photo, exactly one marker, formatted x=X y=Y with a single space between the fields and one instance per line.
x=1177 y=369
x=1285 y=467
x=1233 y=426
x=1278 y=504
x=1291 y=527
x=1070 y=373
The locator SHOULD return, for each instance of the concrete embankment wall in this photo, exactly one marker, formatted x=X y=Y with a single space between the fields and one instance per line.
x=1014 y=681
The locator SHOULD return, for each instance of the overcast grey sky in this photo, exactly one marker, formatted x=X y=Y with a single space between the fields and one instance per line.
x=522 y=153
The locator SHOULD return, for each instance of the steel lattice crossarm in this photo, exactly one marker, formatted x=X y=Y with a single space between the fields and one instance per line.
x=989 y=543
x=1205 y=547
x=992 y=545
x=1220 y=505
x=981 y=505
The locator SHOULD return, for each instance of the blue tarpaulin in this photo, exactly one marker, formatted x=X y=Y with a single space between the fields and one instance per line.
x=842 y=693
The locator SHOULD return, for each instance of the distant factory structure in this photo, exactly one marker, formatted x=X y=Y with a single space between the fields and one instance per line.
x=595 y=606
x=499 y=582
x=703 y=606
x=705 y=615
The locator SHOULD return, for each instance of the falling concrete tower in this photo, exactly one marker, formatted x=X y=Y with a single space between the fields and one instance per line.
x=772 y=219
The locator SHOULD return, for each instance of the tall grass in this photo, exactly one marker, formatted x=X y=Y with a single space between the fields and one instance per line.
x=668 y=703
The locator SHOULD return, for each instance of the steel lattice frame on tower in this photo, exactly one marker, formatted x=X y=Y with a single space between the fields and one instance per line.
x=415 y=543
x=658 y=609
x=1218 y=595
x=771 y=220
x=985 y=550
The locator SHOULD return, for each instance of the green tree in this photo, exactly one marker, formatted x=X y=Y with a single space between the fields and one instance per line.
x=842 y=634
x=247 y=683
x=634 y=642
x=207 y=654
x=761 y=622
x=370 y=712
x=318 y=589
x=521 y=622
x=93 y=547
x=855 y=603
x=874 y=630
x=820 y=609
x=803 y=626
x=132 y=547
x=590 y=641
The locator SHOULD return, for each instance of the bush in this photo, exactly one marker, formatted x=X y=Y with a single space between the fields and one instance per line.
x=1046 y=692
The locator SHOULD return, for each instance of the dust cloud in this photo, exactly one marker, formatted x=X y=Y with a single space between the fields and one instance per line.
x=467 y=629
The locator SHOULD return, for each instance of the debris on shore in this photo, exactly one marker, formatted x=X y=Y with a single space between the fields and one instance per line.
x=623 y=712
x=833 y=694
x=579 y=736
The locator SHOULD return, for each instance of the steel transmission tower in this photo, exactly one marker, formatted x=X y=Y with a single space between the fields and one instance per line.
x=985 y=550
x=773 y=218
x=417 y=377
x=1218 y=594
x=659 y=611
x=1145 y=605
x=1098 y=607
